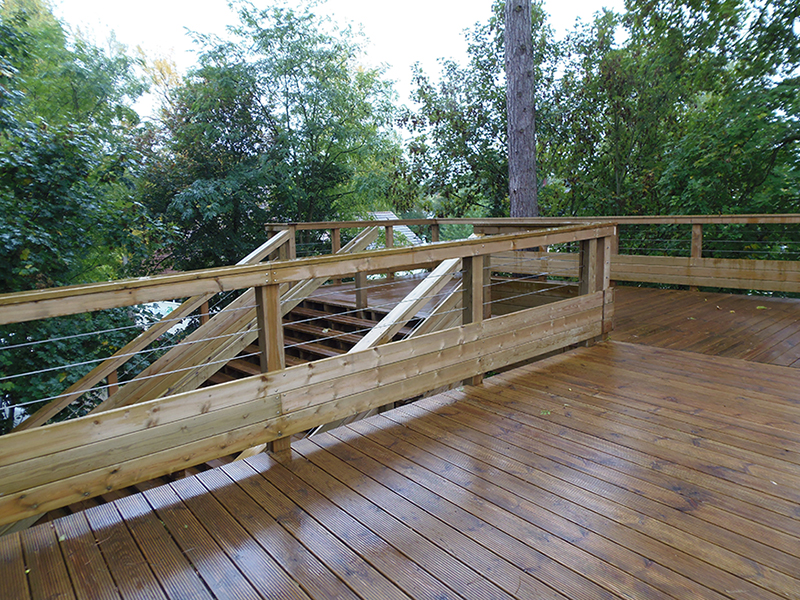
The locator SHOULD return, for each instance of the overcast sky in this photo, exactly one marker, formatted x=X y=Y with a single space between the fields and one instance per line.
x=400 y=33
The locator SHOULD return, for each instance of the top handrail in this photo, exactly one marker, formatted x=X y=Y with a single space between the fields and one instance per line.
x=40 y=304
x=786 y=218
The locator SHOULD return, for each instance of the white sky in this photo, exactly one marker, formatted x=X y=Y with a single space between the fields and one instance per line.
x=400 y=34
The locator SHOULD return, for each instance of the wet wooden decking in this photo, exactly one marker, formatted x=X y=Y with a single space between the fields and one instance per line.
x=624 y=470
x=754 y=328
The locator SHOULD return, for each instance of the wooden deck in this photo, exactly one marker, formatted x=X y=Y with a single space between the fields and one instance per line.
x=623 y=470
x=754 y=328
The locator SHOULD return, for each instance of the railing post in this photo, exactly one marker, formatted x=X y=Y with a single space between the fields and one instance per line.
x=289 y=250
x=604 y=251
x=113 y=381
x=595 y=276
x=204 y=310
x=588 y=267
x=270 y=340
x=472 y=282
x=487 y=286
x=542 y=250
x=361 y=290
x=336 y=245
x=434 y=232
x=697 y=246
x=613 y=251
x=390 y=244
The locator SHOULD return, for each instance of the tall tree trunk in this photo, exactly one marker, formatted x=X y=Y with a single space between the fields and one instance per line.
x=521 y=111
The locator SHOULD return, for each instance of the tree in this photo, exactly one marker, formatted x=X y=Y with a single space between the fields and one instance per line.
x=459 y=148
x=281 y=124
x=65 y=216
x=521 y=110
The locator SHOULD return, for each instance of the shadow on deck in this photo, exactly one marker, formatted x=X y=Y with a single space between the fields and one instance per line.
x=617 y=471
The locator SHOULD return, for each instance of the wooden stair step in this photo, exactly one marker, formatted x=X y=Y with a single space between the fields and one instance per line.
x=220 y=377
x=312 y=347
x=244 y=366
x=291 y=361
x=317 y=332
x=344 y=319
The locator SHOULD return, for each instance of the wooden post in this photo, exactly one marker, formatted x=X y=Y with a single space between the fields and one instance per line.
x=390 y=244
x=595 y=272
x=487 y=286
x=697 y=246
x=605 y=253
x=270 y=328
x=361 y=291
x=276 y=255
x=588 y=267
x=270 y=340
x=615 y=243
x=336 y=245
x=204 y=316
x=434 y=232
x=472 y=282
x=113 y=380
x=697 y=241
x=542 y=250
x=289 y=250
x=613 y=251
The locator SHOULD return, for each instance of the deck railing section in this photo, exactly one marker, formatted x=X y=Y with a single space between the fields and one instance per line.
x=748 y=252
x=55 y=465
x=280 y=244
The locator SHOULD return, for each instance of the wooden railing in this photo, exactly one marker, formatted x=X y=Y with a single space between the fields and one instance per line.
x=55 y=465
x=692 y=269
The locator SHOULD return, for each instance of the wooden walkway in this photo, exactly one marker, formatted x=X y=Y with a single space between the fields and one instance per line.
x=754 y=328
x=616 y=471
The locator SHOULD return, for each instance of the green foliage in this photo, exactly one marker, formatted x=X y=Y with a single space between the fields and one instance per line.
x=282 y=124
x=66 y=213
x=737 y=154
x=696 y=111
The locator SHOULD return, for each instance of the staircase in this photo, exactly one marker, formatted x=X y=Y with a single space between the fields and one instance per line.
x=313 y=330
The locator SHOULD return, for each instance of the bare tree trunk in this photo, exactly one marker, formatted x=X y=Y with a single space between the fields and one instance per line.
x=521 y=111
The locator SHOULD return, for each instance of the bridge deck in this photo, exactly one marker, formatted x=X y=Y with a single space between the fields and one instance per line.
x=616 y=471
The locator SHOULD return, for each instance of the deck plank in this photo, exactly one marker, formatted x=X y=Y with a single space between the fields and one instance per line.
x=265 y=575
x=12 y=567
x=593 y=470
x=553 y=508
x=628 y=510
x=296 y=559
x=372 y=549
x=364 y=579
x=498 y=569
x=178 y=580
x=554 y=561
x=44 y=564
x=87 y=568
x=392 y=529
x=129 y=568
x=760 y=329
x=216 y=569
